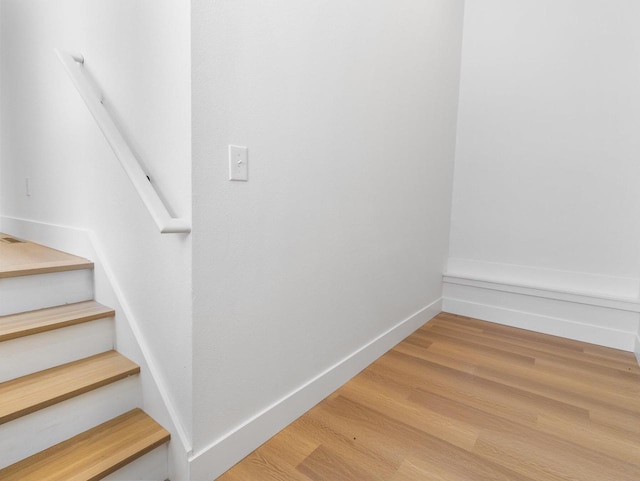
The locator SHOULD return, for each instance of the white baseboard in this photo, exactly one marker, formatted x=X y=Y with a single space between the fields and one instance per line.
x=543 y=301
x=554 y=326
x=554 y=280
x=221 y=455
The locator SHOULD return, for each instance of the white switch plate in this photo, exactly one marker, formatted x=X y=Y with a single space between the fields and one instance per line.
x=238 y=163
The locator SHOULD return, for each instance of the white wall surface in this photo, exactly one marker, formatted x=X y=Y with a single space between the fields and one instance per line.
x=139 y=54
x=547 y=167
x=349 y=111
x=1 y=108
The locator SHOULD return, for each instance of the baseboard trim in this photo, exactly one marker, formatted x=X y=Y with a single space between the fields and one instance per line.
x=547 y=292
x=591 y=287
x=534 y=310
x=554 y=326
x=222 y=454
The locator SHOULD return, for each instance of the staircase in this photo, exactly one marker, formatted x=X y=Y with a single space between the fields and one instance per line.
x=69 y=403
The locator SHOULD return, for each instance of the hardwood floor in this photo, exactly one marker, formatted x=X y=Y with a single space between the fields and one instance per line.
x=467 y=400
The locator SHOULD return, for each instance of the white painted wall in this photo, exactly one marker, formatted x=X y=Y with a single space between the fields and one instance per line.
x=547 y=169
x=139 y=54
x=544 y=230
x=1 y=109
x=349 y=113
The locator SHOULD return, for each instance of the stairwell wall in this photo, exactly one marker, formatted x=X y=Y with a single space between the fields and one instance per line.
x=138 y=53
x=546 y=179
x=1 y=108
x=334 y=249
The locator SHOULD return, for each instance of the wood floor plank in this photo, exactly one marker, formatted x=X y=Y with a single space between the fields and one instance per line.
x=583 y=363
x=572 y=390
x=325 y=463
x=556 y=346
x=395 y=405
x=466 y=400
x=549 y=462
x=620 y=421
x=579 y=367
x=414 y=468
x=568 y=391
x=626 y=385
x=437 y=376
x=382 y=434
x=615 y=443
x=313 y=428
x=541 y=445
x=94 y=454
x=269 y=463
x=277 y=459
x=23 y=324
x=30 y=393
x=614 y=354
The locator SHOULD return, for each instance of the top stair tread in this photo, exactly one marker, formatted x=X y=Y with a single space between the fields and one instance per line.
x=93 y=454
x=27 y=394
x=26 y=323
x=22 y=258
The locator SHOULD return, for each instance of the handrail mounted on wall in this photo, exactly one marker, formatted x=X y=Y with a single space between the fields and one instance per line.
x=74 y=64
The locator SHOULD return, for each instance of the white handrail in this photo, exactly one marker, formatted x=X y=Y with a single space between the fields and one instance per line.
x=73 y=63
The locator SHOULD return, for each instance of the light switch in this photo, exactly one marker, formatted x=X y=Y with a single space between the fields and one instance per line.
x=238 y=163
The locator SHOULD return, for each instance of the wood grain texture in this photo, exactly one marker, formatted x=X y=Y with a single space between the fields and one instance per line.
x=26 y=258
x=468 y=400
x=27 y=394
x=94 y=454
x=33 y=322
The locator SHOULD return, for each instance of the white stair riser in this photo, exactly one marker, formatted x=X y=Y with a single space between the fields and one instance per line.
x=28 y=293
x=150 y=467
x=52 y=348
x=42 y=429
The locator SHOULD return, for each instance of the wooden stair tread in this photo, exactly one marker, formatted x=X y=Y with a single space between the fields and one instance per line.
x=30 y=393
x=22 y=258
x=26 y=323
x=93 y=454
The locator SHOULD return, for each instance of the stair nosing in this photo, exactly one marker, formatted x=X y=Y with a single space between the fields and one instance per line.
x=29 y=381
x=66 y=320
x=26 y=258
x=91 y=439
x=46 y=269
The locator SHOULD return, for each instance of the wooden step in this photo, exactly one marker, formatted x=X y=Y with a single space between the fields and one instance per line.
x=33 y=322
x=23 y=258
x=27 y=394
x=94 y=454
